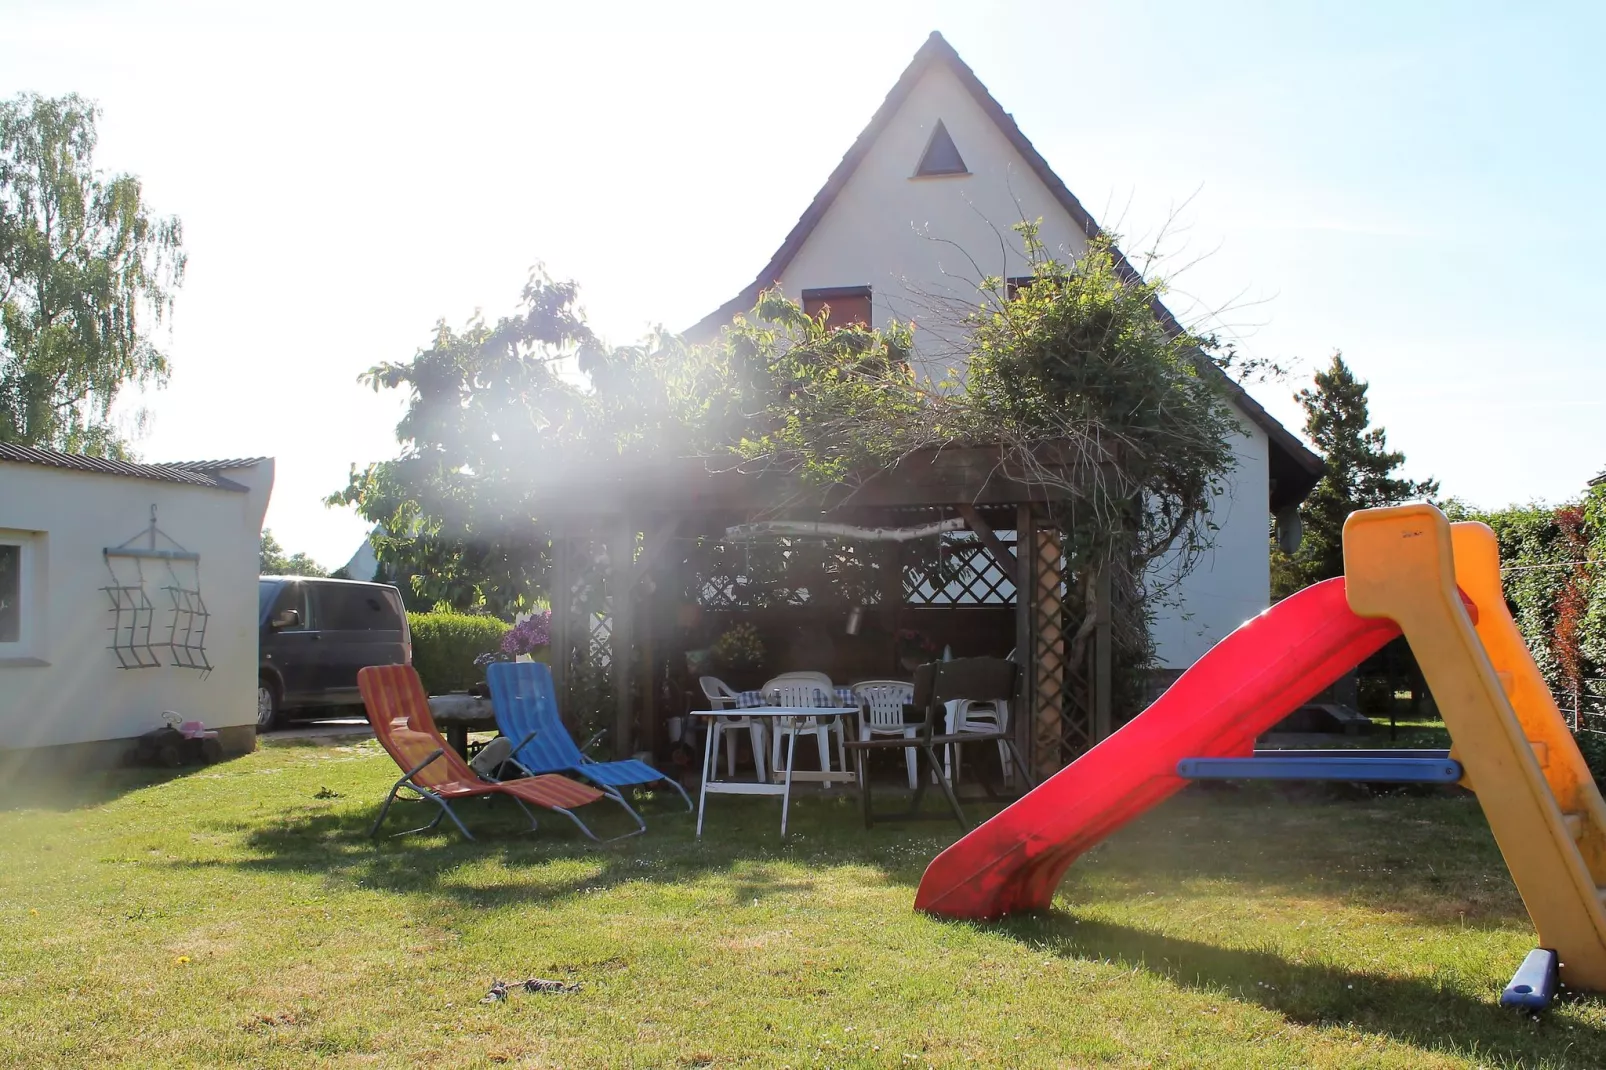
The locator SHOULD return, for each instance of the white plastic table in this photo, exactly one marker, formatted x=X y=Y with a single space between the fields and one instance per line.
x=791 y=715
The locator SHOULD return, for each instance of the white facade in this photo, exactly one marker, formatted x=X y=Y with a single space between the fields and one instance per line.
x=925 y=243
x=922 y=244
x=60 y=678
x=364 y=563
x=1231 y=582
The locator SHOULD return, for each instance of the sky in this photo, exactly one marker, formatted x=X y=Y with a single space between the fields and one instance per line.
x=1413 y=184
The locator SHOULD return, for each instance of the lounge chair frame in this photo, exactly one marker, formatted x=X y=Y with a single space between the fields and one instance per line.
x=406 y=782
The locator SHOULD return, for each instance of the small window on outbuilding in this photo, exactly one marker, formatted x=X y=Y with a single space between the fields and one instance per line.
x=844 y=304
x=21 y=583
x=11 y=592
x=941 y=156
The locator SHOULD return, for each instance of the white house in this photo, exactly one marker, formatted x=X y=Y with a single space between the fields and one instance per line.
x=364 y=563
x=910 y=220
x=126 y=590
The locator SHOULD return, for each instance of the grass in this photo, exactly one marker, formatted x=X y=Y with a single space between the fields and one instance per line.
x=1410 y=733
x=238 y=915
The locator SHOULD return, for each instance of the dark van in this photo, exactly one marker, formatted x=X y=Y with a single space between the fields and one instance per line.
x=314 y=636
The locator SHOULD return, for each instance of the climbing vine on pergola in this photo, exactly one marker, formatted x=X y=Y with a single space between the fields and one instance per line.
x=1083 y=421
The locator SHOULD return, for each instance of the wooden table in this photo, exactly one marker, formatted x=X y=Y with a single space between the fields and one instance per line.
x=789 y=715
x=460 y=713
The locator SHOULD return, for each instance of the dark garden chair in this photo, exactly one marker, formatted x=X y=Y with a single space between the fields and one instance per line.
x=935 y=685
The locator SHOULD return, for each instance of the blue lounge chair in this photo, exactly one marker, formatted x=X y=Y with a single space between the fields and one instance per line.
x=526 y=708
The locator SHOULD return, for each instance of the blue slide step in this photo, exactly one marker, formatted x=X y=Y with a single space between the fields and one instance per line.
x=1534 y=985
x=1296 y=767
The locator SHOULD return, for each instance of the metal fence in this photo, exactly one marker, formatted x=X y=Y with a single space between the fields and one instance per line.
x=1586 y=710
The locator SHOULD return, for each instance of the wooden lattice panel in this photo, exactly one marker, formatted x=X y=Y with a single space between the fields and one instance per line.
x=1077 y=733
x=1048 y=630
x=730 y=586
x=587 y=634
x=969 y=577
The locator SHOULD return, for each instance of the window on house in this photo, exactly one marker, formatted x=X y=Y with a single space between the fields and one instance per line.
x=844 y=304
x=1014 y=286
x=941 y=156
x=10 y=592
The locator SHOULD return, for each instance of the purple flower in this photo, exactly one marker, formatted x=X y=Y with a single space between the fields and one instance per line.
x=529 y=635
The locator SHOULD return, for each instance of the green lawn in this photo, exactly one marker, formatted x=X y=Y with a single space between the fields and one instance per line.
x=238 y=915
x=1410 y=732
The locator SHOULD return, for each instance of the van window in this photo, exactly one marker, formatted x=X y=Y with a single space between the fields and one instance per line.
x=353 y=608
x=289 y=596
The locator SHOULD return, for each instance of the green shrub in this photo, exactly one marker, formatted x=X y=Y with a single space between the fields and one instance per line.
x=1593 y=744
x=1375 y=695
x=446 y=644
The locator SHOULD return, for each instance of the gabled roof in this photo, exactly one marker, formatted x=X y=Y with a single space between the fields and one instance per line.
x=191 y=473
x=1294 y=469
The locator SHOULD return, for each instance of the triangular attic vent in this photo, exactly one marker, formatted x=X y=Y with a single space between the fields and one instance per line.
x=942 y=155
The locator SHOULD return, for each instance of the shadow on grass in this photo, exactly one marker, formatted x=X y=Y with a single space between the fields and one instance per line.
x=1417 y=1011
x=1427 y=860
x=68 y=789
x=1427 y=856
x=740 y=844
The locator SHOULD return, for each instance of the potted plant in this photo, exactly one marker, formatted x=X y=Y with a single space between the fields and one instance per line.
x=531 y=638
x=915 y=648
x=528 y=640
x=738 y=650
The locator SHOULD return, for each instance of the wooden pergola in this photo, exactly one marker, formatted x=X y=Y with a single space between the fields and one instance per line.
x=618 y=537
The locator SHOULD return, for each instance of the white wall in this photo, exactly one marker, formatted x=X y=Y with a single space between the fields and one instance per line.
x=65 y=685
x=908 y=237
x=1231 y=582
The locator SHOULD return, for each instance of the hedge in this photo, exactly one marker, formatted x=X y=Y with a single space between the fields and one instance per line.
x=1539 y=562
x=446 y=644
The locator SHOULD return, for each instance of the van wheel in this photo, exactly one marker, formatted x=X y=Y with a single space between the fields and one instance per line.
x=267 y=704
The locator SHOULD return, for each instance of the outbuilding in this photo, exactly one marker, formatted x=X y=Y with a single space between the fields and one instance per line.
x=126 y=590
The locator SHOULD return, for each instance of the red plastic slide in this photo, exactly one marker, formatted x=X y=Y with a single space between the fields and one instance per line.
x=1245 y=684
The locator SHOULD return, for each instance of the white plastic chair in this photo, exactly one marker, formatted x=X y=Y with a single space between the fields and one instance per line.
x=828 y=689
x=979 y=717
x=721 y=697
x=803 y=694
x=818 y=679
x=883 y=702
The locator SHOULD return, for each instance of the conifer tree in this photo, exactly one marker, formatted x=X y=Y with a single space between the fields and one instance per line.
x=1362 y=473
